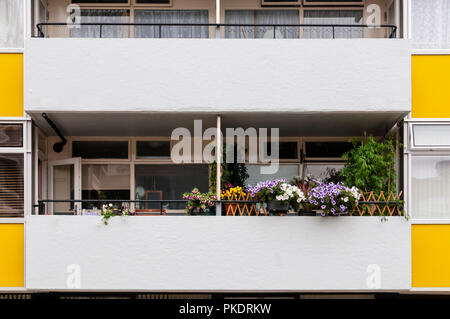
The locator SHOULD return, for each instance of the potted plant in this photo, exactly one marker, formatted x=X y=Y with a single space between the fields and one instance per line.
x=278 y=195
x=109 y=211
x=199 y=203
x=305 y=185
x=333 y=199
x=233 y=193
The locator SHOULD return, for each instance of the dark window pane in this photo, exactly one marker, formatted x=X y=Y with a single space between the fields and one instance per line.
x=100 y=1
x=100 y=149
x=11 y=135
x=327 y=149
x=152 y=149
x=11 y=185
x=153 y=1
x=169 y=182
x=287 y=150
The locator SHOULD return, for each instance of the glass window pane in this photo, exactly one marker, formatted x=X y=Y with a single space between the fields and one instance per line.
x=105 y=181
x=169 y=182
x=104 y=31
x=333 y=17
x=321 y=171
x=430 y=24
x=431 y=135
x=153 y=149
x=100 y=149
x=11 y=185
x=430 y=189
x=11 y=135
x=261 y=17
x=11 y=23
x=326 y=149
x=287 y=150
x=174 y=17
x=285 y=171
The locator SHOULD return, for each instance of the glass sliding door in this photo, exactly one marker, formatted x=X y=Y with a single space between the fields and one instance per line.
x=169 y=182
x=352 y=17
x=171 y=17
x=278 y=17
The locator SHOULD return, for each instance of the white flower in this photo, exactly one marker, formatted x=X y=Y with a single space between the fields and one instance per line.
x=345 y=199
x=110 y=205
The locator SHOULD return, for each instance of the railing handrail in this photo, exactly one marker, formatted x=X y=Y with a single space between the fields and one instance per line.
x=218 y=25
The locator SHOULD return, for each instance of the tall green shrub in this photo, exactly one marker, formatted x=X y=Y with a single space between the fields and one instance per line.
x=370 y=166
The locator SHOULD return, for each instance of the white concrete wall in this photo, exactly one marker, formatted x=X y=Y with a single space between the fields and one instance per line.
x=190 y=75
x=218 y=253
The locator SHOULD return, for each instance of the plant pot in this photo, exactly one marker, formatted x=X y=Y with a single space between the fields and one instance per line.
x=303 y=212
x=277 y=208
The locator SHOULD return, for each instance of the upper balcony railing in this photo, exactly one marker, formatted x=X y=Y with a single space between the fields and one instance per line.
x=210 y=30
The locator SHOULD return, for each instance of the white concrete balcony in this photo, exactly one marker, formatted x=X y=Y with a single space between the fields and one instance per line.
x=218 y=75
x=200 y=253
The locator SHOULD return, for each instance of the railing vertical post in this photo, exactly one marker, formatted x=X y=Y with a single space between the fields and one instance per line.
x=161 y=207
x=41 y=208
x=218 y=164
x=100 y=30
x=333 y=31
x=160 y=28
x=274 y=35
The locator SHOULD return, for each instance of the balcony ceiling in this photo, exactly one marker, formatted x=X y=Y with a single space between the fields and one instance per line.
x=162 y=124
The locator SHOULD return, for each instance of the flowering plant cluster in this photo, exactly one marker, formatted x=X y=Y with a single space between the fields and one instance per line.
x=199 y=203
x=333 y=198
x=278 y=190
x=109 y=211
x=233 y=193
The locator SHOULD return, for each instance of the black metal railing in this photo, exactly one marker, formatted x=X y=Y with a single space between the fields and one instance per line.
x=231 y=30
x=177 y=207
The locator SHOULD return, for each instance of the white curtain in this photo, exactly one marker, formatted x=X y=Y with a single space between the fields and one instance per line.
x=430 y=23
x=11 y=23
x=333 y=17
x=171 y=16
x=262 y=17
x=102 y=16
x=430 y=195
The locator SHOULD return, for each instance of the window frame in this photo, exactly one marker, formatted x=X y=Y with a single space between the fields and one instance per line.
x=412 y=146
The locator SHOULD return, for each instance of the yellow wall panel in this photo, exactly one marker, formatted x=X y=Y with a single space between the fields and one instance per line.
x=431 y=86
x=11 y=84
x=11 y=255
x=430 y=254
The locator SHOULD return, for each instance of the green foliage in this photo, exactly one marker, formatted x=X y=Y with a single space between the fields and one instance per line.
x=370 y=166
x=234 y=173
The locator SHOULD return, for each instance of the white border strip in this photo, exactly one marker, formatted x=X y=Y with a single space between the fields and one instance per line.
x=430 y=52
x=13 y=50
x=12 y=220
x=430 y=221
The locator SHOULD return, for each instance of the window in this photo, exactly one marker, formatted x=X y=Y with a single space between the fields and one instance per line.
x=11 y=135
x=101 y=1
x=166 y=2
x=333 y=2
x=153 y=149
x=102 y=31
x=333 y=17
x=281 y=2
x=171 y=16
x=326 y=150
x=168 y=182
x=429 y=135
x=100 y=149
x=11 y=24
x=11 y=185
x=430 y=187
x=261 y=17
x=287 y=150
x=105 y=181
x=430 y=24
x=285 y=171
x=321 y=170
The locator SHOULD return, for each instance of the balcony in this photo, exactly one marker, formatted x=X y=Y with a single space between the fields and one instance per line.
x=206 y=30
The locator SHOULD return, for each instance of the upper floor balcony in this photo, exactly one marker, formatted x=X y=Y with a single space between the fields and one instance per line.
x=231 y=19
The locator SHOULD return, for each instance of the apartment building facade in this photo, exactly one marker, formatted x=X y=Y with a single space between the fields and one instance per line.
x=92 y=92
